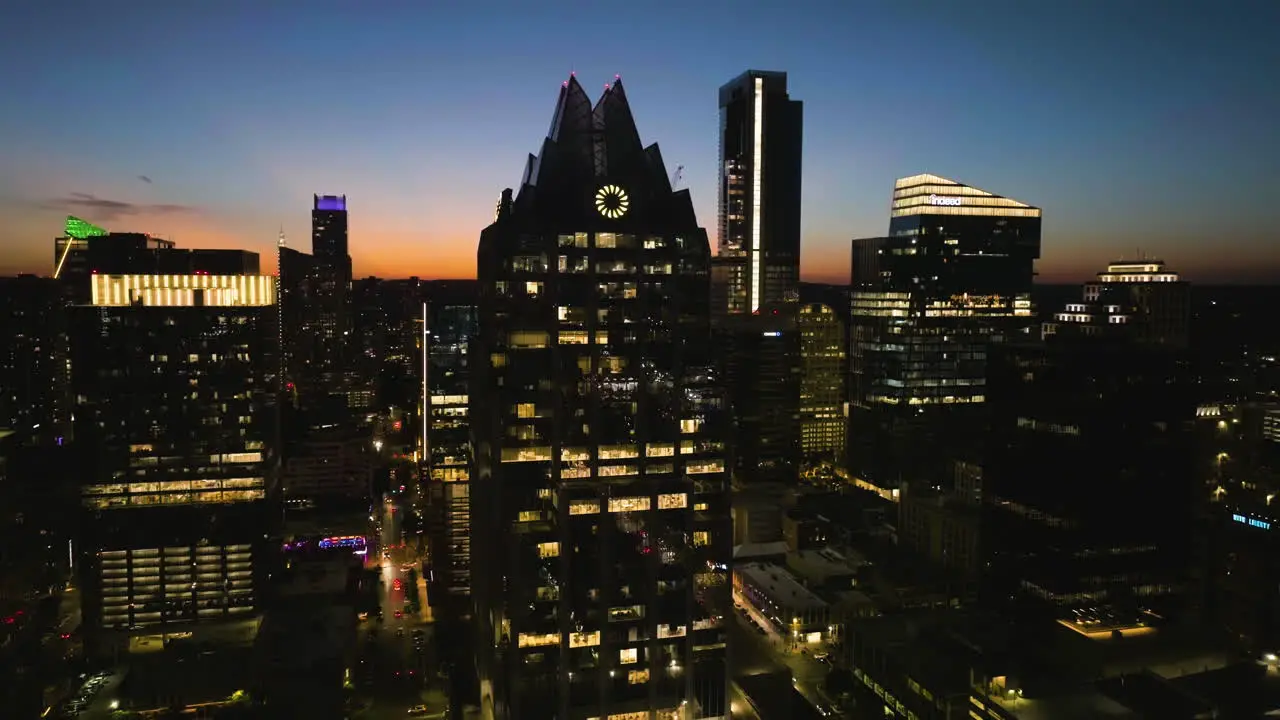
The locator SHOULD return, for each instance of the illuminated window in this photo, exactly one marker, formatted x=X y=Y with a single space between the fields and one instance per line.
x=660 y=450
x=670 y=631
x=548 y=550
x=618 y=452
x=537 y=639
x=625 y=613
x=584 y=507
x=701 y=538
x=527 y=339
x=525 y=411
x=628 y=656
x=531 y=454
x=584 y=639
x=530 y=515
x=690 y=426
x=628 y=504
x=705 y=466
x=638 y=677
x=672 y=501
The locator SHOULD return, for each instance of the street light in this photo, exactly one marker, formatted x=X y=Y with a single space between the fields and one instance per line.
x=377 y=446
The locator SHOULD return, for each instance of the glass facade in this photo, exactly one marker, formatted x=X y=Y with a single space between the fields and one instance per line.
x=761 y=136
x=451 y=320
x=926 y=303
x=600 y=505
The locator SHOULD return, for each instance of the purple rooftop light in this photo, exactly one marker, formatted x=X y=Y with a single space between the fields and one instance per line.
x=331 y=202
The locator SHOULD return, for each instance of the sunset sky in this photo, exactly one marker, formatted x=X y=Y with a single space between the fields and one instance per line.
x=1136 y=125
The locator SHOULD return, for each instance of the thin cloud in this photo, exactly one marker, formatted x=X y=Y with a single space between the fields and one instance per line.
x=104 y=209
x=145 y=179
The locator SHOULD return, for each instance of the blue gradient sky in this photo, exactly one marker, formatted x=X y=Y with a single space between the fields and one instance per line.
x=1135 y=124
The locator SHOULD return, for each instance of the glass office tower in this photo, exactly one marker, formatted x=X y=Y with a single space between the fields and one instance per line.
x=174 y=376
x=953 y=276
x=601 y=540
x=761 y=142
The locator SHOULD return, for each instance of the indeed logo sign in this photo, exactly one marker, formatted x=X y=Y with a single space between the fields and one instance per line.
x=939 y=200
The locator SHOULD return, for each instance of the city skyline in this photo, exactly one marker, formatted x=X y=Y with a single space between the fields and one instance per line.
x=1102 y=121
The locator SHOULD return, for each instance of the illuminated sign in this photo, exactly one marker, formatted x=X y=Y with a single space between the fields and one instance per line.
x=940 y=200
x=352 y=541
x=1251 y=522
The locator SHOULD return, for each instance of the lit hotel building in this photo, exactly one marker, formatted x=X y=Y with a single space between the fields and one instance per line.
x=176 y=420
x=953 y=276
x=600 y=506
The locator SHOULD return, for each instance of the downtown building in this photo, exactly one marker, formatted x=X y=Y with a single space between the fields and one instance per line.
x=822 y=381
x=952 y=278
x=1139 y=299
x=756 y=273
x=600 y=507
x=1101 y=414
x=450 y=324
x=175 y=383
x=317 y=319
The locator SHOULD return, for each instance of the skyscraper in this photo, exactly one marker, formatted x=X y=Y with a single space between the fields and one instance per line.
x=953 y=276
x=1085 y=429
x=599 y=503
x=756 y=275
x=174 y=375
x=332 y=293
x=761 y=131
x=449 y=315
x=822 y=376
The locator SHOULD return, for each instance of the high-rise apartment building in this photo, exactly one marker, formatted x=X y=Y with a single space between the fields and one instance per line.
x=1139 y=299
x=451 y=323
x=599 y=502
x=822 y=378
x=174 y=375
x=761 y=140
x=953 y=276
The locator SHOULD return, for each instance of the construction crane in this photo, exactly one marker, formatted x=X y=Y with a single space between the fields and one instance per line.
x=677 y=176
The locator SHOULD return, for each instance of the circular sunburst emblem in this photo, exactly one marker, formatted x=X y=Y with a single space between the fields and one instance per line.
x=612 y=202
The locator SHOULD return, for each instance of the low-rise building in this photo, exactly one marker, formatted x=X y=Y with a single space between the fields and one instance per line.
x=796 y=611
x=825 y=569
x=805 y=530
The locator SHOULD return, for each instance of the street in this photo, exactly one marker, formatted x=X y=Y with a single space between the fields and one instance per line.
x=807 y=673
x=397 y=667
